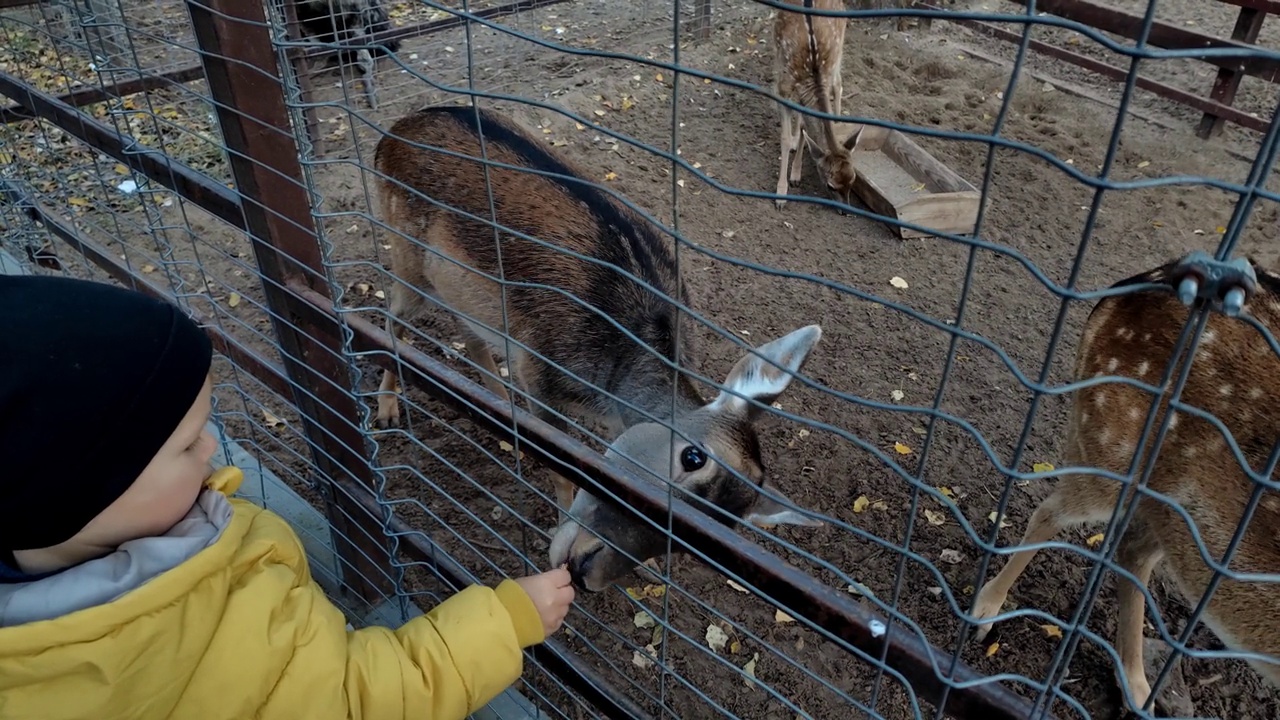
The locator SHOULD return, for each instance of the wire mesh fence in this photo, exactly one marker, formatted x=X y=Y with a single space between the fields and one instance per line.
x=208 y=152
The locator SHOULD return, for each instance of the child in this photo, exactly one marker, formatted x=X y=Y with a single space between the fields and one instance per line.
x=129 y=590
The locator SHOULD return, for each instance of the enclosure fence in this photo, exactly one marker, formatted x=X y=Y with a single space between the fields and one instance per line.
x=194 y=151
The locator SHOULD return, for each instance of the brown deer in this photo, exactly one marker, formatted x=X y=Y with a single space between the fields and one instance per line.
x=807 y=55
x=587 y=327
x=1235 y=376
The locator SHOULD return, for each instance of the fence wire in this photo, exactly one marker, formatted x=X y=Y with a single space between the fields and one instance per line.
x=927 y=425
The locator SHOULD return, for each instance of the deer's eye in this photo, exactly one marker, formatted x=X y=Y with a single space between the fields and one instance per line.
x=692 y=458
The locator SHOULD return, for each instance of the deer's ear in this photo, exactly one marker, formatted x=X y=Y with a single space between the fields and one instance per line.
x=764 y=374
x=851 y=142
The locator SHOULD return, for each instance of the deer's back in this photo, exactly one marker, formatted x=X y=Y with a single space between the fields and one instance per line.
x=793 y=56
x=580 y=232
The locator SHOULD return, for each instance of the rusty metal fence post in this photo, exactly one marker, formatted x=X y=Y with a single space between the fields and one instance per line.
x=244 y=81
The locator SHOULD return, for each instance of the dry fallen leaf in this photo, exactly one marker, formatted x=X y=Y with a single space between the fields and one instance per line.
x=1095 y=540
x=861 y=503
x=233 y=299
x=879 y=505
x=935 y=518
x=1042 y=467
x=734 y=647
x=1220 y=230
x=991 y=517
x=148 y=268
x=655 y=591
x=947 y=492
x=640 y=660
x=611 y=176
x=716 y=638
x=898 y=282
x=950 y=556
x=599 y=113
x=1144 y=163
x=781 y=617
x=750 y=669
x=644 y=620
x=271 y=420
x=658 y=77
x=1052 y=631
x=380 y=295
x=737 y=587
x=902 y=449
x=897 y=395
x=991 y=649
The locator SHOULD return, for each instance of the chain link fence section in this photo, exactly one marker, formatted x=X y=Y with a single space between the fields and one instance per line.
x=220 y=163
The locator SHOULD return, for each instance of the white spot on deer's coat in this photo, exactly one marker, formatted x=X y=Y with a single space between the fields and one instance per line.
x=1100 y=399
x=1255 y=392
x=1208 y=337
x=1134 y=413
x=1146 y=337
x=1173 y=421
x=1143 y=367
x=1112 y=364
x=1225 y=390
x=1188 y=452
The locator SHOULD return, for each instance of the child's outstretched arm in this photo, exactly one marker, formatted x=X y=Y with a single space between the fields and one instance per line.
x=455 y=659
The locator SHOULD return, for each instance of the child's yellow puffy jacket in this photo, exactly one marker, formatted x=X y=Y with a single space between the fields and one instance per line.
x=240 y=632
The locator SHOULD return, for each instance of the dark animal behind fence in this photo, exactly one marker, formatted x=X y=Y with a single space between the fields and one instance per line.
x=342 y=21
x=567 y=321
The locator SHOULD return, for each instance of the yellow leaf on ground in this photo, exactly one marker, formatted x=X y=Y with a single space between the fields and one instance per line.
x=935 y=518
x=1095 y=540
x=1042 y=467
x=902 y=449
x=992 y=649
x=861 y=504
x=1052 y=631
x=781 y=617
x=233 y=300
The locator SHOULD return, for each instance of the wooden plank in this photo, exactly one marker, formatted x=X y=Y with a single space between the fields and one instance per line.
x=1162 y=35
x=1234 y=115
x=1271 y=7
x=1248 y=26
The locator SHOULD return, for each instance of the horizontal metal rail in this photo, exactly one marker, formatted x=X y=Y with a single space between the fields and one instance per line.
x=89 y=95
x=187 y=182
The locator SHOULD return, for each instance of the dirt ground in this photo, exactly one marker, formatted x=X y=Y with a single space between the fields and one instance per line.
x=468 y=501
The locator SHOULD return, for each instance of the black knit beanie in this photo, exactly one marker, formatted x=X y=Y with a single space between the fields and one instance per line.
x=93 y=381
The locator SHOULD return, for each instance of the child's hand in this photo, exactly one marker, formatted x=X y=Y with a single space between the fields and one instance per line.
x=551 y=593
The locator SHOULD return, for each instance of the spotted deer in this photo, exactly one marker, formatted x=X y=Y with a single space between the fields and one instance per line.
x=808 y=53
x=600 y=316
x=1235 y=376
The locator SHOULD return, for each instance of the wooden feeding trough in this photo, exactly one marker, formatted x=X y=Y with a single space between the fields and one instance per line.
x=898 y=179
